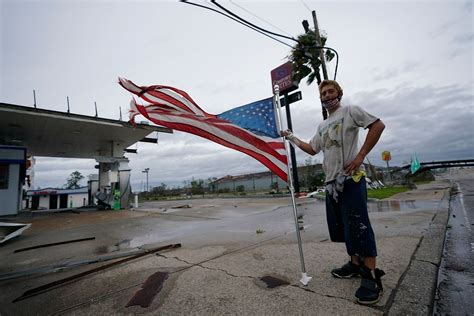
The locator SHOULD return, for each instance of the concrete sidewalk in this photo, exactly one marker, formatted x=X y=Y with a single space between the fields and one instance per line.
x=228 y=245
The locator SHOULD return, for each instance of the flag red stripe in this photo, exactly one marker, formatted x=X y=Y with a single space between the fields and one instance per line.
x=170 y=99
x=143 y=91
x=244 y=136
x=230 y=129
x=205 y=134
x=181 y=92
x=196 y=131
x=276 y=145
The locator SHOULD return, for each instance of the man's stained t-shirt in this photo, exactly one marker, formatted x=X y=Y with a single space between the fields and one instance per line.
x=338 y=136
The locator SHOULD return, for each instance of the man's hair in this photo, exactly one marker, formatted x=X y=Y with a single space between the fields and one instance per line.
x=332 y=83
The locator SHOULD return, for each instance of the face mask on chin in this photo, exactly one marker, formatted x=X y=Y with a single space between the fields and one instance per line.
x=331 y=103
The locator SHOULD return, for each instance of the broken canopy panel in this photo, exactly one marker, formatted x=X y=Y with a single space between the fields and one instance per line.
x=11 y=230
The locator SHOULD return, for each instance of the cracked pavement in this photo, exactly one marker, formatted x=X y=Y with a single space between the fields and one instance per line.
x=228 y=245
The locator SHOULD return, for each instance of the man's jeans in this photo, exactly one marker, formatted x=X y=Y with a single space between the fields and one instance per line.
x=348 y=220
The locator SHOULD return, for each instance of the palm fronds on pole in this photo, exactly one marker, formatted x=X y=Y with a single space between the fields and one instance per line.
x=305 y=57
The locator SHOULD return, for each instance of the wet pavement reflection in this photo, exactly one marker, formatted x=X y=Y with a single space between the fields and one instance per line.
x=400 y=206
x=150 y=288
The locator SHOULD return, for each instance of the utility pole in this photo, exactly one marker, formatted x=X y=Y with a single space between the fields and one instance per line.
x=321 y=57
x=319 y=43
x=321 y=54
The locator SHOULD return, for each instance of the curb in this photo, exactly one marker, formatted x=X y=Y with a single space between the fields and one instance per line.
x=415 y=291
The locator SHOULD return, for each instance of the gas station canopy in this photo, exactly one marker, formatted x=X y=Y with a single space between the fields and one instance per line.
x=58 y=134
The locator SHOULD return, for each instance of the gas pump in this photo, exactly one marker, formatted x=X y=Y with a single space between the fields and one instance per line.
x=114 y=182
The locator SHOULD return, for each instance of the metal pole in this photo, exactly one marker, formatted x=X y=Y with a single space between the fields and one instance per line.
x=294 y=167
x=68 y=110
x=276 y=103
x=34 y=98
x=388 y=171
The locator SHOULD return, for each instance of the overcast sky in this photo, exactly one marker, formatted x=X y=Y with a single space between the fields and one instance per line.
x=408 y=62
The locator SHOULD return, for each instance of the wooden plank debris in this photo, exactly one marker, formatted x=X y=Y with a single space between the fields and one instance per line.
x=54 y=244
x=60 y=282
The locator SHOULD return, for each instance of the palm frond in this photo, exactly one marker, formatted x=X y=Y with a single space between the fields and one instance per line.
x=305 y=57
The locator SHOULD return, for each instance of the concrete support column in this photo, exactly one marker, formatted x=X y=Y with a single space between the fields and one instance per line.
x=124 y=179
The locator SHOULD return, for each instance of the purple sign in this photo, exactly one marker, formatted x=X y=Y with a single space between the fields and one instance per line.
x=282 y=76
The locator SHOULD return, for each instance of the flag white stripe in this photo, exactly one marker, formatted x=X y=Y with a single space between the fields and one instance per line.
x=127 y=84
x=219 y=133
x=266 y=139
x=176 y=96
x=183 y=100
x=151 y=98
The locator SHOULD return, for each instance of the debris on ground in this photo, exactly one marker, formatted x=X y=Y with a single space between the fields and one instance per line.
x=11 y=230
x=54 y=244
x=183 y=206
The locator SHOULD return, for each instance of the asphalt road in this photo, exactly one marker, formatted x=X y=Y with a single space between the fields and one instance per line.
x=456 y=275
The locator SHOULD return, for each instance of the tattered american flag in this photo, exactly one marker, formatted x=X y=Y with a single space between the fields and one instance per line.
x=250 y=129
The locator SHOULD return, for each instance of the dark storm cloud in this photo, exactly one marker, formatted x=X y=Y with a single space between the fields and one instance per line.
x=434 y=122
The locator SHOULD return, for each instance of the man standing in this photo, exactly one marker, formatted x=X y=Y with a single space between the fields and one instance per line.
x=346 y=193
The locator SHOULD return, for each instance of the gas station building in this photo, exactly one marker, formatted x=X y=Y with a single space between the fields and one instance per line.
x=28 y=132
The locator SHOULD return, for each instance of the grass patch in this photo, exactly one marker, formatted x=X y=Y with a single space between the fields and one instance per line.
x=386 y=192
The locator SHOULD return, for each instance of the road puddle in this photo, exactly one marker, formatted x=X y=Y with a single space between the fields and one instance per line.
x=400 y=206
x=121 y=245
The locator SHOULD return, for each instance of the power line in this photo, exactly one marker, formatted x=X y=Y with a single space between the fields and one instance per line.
x=263 y=31
x=305 y=5
x=251 y=24
x=236 y=20
x=261 y=19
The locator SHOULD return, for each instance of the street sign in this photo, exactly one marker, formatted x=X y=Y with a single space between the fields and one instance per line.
x=283 y=77
x=386 y=155
x=292 y=98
